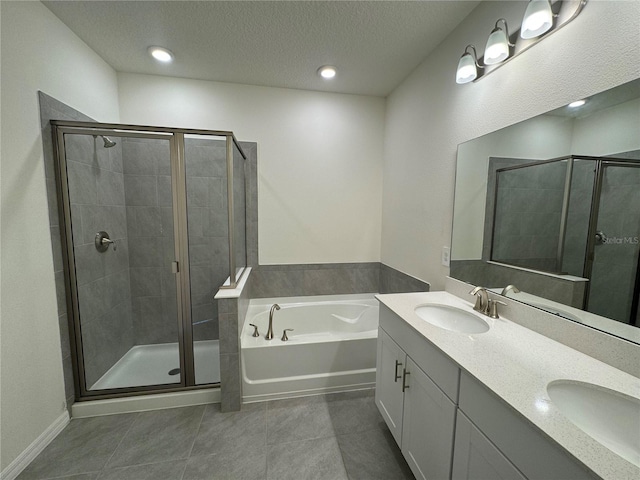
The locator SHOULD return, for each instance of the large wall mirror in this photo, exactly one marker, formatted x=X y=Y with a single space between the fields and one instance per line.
x=547 y=211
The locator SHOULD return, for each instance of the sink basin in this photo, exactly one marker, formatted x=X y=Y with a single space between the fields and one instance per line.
x=452 y=318
x=610 y=417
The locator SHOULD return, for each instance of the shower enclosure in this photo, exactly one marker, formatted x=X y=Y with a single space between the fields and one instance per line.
x=153 y=223
x=575 y=216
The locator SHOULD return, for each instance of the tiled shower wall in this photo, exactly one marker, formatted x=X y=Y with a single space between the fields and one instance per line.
x=208 y=225
x=97 y=197
x=147 y=186
x=528 y=212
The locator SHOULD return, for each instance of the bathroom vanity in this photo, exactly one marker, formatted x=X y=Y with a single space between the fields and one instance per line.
x=465 y=405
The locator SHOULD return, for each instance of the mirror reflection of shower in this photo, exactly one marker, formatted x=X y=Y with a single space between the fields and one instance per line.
x=108 y=143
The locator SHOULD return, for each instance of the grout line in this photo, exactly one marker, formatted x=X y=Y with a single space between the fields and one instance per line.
x=197 y=433
x=121 y=440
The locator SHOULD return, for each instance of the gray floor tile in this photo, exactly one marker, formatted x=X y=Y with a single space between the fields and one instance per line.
x=156 y=471
x=232 y=431
x=80 y=476
x=354 y=412
x=317 y=459
x=236 y=465
x=373 y=455
x=84 y=446
x=158 y=436
x=298 y=419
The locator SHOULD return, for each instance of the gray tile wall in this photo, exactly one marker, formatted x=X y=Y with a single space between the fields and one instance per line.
x=527 y=218
x=51 y=109
x=97 y=198
x=208 y=224
x=580 y=197
x=479 y=272
x=149 y=217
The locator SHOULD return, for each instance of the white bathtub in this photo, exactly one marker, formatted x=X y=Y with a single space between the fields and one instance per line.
x=332 y=346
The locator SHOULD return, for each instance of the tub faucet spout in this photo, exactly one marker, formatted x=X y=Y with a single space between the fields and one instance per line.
x=269 y=335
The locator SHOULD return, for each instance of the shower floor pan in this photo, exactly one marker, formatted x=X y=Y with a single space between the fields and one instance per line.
x=151 y=364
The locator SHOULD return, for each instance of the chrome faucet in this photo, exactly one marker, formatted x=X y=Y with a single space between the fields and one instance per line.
x=508 y=288
x=269 y=335
x=482 y=300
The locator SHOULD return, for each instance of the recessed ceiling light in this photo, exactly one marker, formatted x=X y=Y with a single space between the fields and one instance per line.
x=327 y=71
x=577 y=103
x=161 y=54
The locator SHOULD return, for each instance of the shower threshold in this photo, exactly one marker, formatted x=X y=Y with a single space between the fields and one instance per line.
x=151 y=365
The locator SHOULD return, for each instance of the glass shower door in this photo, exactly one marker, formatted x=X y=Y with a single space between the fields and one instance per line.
x=614 y=285
x=120 y=216
x=205 y=160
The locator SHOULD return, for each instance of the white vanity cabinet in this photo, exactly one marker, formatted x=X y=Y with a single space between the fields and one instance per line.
x=475 y=457
x=419 y=414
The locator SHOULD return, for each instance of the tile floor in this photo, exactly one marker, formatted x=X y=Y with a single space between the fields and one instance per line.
x=332 y=437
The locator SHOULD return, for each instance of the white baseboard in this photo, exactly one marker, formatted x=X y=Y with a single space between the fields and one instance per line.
x=23 y=460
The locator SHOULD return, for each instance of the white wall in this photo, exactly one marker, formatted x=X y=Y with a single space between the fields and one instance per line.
x=428 y=115
x=612 y=130
x=319 y=159
x=38 y=53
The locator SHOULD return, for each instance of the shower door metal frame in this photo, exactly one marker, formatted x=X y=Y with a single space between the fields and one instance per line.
x=602 y=163
x=175 y=137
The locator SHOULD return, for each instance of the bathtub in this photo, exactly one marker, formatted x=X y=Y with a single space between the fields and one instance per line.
x=332 y=346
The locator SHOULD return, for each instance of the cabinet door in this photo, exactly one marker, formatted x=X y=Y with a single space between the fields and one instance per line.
x=390 y=362
x=476 y=458
x=429 y=419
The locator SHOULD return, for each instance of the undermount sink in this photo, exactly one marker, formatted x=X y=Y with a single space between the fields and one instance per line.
x=610 y=417
x=452 y=318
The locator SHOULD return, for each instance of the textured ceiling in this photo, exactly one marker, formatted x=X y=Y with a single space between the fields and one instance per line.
x=374 y=44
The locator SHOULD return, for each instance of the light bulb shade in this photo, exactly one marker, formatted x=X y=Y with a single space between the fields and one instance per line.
x=467 y=70
x=497 y=49
x=538 y=19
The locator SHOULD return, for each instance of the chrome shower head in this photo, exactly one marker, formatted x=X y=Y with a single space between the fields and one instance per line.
x=108 y=143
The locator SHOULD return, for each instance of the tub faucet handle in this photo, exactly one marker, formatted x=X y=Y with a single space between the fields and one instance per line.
x=255 y=330
x=284 y=334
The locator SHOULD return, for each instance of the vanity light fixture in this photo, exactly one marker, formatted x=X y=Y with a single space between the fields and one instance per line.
x=468 y=66
x=161 y=54
x=327 y=72
x=541 y=19
x=497 y=49
x=538 y=19
x=577 y=103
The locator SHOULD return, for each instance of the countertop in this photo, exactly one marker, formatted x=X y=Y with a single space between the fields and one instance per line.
x=516 y=364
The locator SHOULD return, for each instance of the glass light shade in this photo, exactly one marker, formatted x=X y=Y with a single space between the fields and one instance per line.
x=467 y=71
x=497 y=49
x=538 y=19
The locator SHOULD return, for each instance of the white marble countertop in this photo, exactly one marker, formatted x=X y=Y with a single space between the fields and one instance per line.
x=517 y=364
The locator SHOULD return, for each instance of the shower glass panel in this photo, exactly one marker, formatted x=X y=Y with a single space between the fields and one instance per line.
x=205 y=158
x=122 y=213
x=528 y=214
x=239 y=209
x=614 y=276
x=578 y=215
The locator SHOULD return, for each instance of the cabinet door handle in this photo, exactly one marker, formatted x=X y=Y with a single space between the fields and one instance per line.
x=404 y=379
x=397 y=377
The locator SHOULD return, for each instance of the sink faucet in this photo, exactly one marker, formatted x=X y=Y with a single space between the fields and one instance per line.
x=482 y=300
x=508 y=288
x=269 y=335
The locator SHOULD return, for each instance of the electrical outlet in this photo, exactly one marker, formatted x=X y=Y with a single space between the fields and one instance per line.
x=446 y=256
